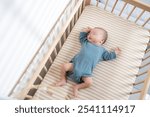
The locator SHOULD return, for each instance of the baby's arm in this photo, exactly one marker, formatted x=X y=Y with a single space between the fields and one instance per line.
x=111 y=55
x=83 y=34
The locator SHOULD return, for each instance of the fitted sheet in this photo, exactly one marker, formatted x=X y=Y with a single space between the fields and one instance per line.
x=111 y=79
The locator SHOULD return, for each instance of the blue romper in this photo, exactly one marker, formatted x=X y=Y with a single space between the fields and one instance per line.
x=89 y=55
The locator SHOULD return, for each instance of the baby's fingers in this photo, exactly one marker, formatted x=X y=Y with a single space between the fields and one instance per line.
x=117 y=49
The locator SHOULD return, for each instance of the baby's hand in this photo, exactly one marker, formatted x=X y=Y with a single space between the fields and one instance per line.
x=117 y=51
x=88 y=29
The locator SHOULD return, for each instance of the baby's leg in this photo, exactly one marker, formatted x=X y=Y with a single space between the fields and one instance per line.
x=87 y=81
x=65 y=67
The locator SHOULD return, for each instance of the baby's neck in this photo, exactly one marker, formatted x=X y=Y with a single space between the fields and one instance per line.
x=97 y=44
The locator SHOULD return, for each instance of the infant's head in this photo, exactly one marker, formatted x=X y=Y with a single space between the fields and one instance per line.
x=97 y=35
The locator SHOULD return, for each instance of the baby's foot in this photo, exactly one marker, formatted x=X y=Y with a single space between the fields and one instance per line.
x=75 y=91
x=61 y=83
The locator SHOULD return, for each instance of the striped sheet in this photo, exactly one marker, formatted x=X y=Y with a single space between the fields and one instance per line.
x=111 y=79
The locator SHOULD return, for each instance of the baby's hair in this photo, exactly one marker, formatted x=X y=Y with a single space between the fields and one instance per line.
x=105 y=33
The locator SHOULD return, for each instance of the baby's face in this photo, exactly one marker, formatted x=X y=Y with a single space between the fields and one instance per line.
x=96 y=36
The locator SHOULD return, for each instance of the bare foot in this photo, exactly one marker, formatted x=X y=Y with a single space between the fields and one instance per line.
x=75 y=91
x=61 y=83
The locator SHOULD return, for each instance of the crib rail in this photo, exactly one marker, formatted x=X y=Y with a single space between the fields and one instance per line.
x=139 y=4
x=135 y=3
x=48 y=59
x=145 y=66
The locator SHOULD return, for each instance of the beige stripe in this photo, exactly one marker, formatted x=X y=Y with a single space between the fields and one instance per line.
x=111 y=79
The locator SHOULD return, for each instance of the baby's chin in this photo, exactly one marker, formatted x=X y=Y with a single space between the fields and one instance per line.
x=93 y=42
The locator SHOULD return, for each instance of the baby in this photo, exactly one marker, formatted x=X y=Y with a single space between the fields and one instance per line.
x=80 y=68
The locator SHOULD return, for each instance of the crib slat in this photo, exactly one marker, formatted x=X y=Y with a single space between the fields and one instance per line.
x=97 y=3
x=50 y=59
x=83 y=4
x=114 y=6
x=59 y=44
x=55 y=52
x=28 y=96
x=122 y=9
x=45 y=69
x=146 y=22
x=64 y=36
x=131 y=12
x=72 y=23
x=68 y=30
x=141 y=74
x=136 y=83
x=80 y=10
x=146 y=57
x=139 y=16
x=106 y=4
x=76 y=16
x=134 y=92
x=144 y=65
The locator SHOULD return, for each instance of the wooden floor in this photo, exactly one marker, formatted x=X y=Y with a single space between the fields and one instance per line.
x=111 y=79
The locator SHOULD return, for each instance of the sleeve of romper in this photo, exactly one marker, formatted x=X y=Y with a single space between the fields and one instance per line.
x=83 y=37
x=108 y=55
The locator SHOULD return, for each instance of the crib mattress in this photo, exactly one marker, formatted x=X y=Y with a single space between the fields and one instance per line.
x=111 y=79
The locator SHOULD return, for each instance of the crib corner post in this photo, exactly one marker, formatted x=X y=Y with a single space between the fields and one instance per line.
x=146 y=86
